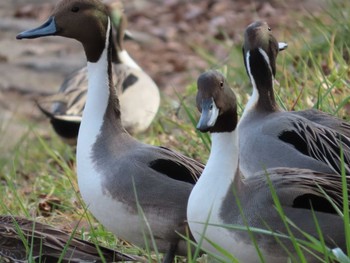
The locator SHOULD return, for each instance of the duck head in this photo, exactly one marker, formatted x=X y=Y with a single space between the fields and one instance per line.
x=216 y=102
x=258 y=39
x=84 y=20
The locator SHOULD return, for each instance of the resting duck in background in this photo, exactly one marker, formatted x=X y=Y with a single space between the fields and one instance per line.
x=221 y=197
x=271 y=137
x=135 y=190
x=139 y=95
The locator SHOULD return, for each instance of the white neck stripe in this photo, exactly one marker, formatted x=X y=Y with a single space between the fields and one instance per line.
x=249 y=71
x=253 y=100
x=108 y=32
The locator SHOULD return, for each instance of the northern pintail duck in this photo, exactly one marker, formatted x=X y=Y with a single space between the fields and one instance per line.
x=271 y=137
x=221 y=187
x=123 y=182
x=139 y=95
x=22 y=239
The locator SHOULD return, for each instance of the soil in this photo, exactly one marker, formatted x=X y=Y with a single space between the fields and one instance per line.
x=169 y=33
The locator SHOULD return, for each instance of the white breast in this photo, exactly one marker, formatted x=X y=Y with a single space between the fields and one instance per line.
x=110 y=212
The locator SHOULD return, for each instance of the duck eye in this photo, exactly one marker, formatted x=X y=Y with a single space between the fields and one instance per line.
x=221 y=84
x=75 y=9
x=269 y=28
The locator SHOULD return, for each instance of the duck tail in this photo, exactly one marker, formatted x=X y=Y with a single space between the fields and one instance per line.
x=44 y=111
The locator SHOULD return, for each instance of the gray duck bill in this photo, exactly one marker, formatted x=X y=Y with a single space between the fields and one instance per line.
x=46 y=29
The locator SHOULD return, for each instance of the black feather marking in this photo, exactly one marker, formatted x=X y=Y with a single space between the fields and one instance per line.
x=130 y=80
x=173 y=170
x=66 y=129
x=293 y=138
x=319 y=143
x=317 y=203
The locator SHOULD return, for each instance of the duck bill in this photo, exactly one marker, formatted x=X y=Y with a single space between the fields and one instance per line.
x=46 y=29
x=209 y=115
x=282 y=46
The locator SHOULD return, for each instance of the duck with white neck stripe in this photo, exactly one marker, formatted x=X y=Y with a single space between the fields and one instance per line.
x=139 y=96
x=271 y=137
x=116 y=173
x=213 y=202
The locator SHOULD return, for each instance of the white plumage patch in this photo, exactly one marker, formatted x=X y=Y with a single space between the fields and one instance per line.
x=253 y=100
x=127 y=60
x=207 y=195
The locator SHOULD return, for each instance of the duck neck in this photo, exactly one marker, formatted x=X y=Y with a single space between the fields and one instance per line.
x=261 y=76
x=223 y=154
x=102 y=101
x=220 y=170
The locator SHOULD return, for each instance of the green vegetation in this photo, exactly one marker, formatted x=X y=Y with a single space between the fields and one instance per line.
x=38 y=176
